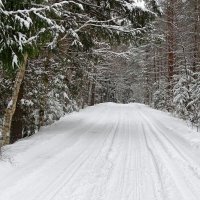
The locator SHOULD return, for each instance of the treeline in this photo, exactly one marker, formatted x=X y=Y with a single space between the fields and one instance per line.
x=169 y=63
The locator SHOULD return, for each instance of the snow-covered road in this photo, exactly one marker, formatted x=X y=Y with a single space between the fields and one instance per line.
x=106 y=152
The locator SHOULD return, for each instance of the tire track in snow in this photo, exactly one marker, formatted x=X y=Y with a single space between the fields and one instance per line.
x=110 y=130
x=175 y=171
x=149 y=177
x=117 y=179
x=107 y=165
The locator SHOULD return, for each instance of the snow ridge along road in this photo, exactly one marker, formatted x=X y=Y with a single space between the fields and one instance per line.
x=105 y=152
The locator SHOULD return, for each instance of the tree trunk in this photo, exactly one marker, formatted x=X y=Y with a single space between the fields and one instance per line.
x=89 y=93
x=93 y=94
x=17 y=124
x=10 y=110
x=196 y=36
x=171 y=49
x=92 y=88
x=170 y=41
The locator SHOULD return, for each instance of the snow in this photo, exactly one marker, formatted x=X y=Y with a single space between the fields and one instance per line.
x=1 y=4
x=27 y=102
x=136 y=4
x=14 y=60
x=105 y=152
x=24 y=22
x=10 y=103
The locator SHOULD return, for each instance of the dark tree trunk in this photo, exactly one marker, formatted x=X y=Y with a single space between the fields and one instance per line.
x=196 y=37
x=93 y=94
x=17 y=123
x=171 y=41
x=171 y=50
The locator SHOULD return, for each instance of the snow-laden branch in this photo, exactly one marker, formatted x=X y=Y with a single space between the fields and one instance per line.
x=18 y=28
x=110 y=52
x=92 y=22
x=41 y=8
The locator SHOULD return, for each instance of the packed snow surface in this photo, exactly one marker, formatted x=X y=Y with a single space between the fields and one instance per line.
x=105 y=152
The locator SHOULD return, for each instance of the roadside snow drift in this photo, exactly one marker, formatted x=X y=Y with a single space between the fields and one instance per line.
x=106 y=152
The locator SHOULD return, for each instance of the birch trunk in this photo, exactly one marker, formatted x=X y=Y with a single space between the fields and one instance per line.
x=10 y=110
